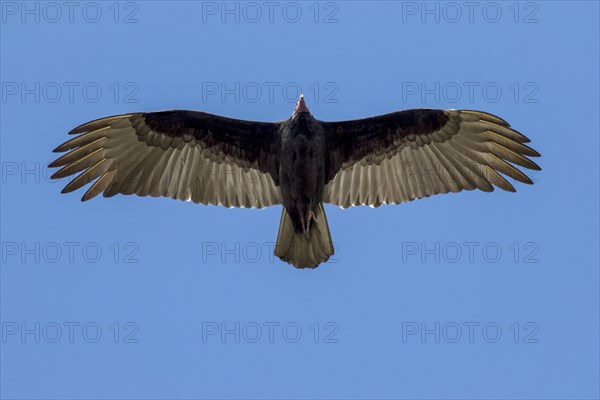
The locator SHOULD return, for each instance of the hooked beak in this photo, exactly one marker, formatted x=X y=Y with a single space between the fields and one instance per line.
x=301 y=105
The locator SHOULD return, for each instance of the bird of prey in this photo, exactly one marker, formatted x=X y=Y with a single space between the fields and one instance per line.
x=300 y=163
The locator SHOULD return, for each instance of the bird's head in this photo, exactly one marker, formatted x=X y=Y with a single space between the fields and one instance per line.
x=301 y=106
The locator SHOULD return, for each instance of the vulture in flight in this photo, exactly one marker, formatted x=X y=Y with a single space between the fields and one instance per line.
x=300 y=163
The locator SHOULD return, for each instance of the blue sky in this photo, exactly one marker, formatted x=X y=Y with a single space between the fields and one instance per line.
x=469 y=295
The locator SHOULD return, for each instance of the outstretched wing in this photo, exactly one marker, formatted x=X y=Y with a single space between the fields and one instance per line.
x=412 y=154
x=185 y=155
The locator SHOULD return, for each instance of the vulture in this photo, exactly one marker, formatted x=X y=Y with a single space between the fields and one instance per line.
x=299 y=163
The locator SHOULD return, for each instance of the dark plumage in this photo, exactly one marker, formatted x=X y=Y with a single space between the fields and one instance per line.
x=300 y=163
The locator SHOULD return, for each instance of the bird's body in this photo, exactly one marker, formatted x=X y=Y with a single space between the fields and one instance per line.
x=299 y=163
x=302 y=167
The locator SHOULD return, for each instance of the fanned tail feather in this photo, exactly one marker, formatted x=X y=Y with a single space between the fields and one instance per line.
x=304 y=250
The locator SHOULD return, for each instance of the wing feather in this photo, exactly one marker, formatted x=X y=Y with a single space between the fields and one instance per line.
x=89 y=175
x=184 y=155
x=413 y=154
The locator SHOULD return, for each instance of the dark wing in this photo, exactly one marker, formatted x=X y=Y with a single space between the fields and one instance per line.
x=412 y=154
x=185 y=155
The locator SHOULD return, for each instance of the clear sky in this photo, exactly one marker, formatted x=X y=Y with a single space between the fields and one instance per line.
x=469 y=295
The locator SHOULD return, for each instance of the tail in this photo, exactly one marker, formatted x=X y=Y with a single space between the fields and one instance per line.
x=304 y=250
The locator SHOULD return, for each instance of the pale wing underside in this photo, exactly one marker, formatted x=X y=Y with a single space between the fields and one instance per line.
x=470 y=152
x=122 y=154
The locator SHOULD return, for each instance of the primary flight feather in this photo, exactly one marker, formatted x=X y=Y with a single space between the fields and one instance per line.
x=299 y=163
